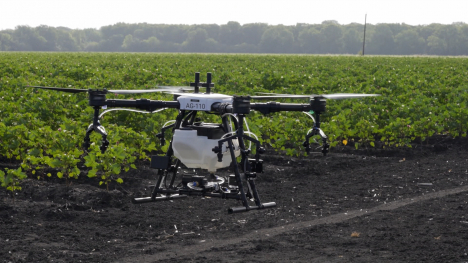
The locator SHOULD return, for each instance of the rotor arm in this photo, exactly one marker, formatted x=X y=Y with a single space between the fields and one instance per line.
x=98 y=101
x=144 y=104
x=272 y=106
x=264 y=108
x=317 y=106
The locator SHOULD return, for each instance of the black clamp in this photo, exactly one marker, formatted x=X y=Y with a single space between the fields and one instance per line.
x=217 y=150
x=325 y=144
x=250 y=175
x=306 y=144
x=160 y=136
x=256 y=165
x=97 y=127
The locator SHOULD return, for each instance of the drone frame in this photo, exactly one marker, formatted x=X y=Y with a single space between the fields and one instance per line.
x=249 y=167
x=241 y=185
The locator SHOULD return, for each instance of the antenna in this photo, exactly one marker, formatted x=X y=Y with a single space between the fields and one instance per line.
x=208 y=85
x=196 y=83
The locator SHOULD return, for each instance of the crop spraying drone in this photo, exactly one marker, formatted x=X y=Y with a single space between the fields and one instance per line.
x=209 y=146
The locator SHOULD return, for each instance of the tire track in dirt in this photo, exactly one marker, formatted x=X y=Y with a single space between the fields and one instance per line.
x=183 y=251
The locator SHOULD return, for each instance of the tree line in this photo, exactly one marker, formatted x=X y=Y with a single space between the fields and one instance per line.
x=329 y=37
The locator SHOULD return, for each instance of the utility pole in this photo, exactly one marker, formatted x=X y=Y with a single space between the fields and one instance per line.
x=364 y=41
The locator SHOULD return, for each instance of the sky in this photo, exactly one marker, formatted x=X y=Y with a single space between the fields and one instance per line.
x=97 y=13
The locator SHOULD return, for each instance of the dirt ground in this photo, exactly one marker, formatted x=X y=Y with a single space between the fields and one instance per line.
x=367 y=205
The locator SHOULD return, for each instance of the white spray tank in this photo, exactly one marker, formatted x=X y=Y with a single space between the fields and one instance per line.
x=193 y=146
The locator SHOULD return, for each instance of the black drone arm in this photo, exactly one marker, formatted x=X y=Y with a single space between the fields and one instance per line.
x=264 y=108
x=242 y=105
x=99 y=100
x=151 y=105
x=272 y=106
x=144 y=104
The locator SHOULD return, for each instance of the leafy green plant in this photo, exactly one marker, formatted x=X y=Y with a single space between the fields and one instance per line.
x=11 y=180
x=421 y=97
x=109 y=164
x=66 y=163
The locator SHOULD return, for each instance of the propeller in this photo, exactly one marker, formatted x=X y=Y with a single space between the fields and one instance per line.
x=60 y=89
x=335 y=96
x=185 y=88
x=161 y=89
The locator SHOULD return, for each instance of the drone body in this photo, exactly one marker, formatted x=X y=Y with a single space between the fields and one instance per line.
x=209 y=146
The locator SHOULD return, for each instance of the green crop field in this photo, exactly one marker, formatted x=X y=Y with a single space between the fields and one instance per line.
x=43 y=130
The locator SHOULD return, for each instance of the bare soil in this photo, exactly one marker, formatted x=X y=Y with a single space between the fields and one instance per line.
x=366 y=205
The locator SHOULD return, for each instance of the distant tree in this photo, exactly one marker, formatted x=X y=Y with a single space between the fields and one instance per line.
x=332 y=34
x=66 y=42
x=144 y=31
x=356 y=26
x=230 y=34
x=330 y=22
x=463 y=40
x=211 y=45
x=29 y=40
x=151 y=44
x=449 y=34
x=6 y=42
x=50 y=35
x=277 y=40
x=398 y=28
x=436 y=46
x=92 y=35
x=252 y=33
x=92 y=47
x=80 y=38
x=408 y=42
x=117 y=29
x=140 y=34
x=381 y=41
x=111 y=44
x=128 y=43
x=175 y=33
x=352 y=41
x=212 y=30
x=427 y=31
x=198 y=41
x=327 y=37
x=311 y=41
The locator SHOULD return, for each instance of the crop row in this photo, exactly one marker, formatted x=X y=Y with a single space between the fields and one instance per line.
x=43 y=130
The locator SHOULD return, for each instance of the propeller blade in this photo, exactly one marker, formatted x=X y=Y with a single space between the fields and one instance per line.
x=340 y=96
x=336 y=96
x=164 y=89
x=137 y=91
x=286 y=96
x=60 y=89
x=181 y=93
x=168 y=89
x=179 y=87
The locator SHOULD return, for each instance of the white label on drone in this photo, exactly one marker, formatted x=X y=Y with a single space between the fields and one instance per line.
x=196 y=104
x=201 y=102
